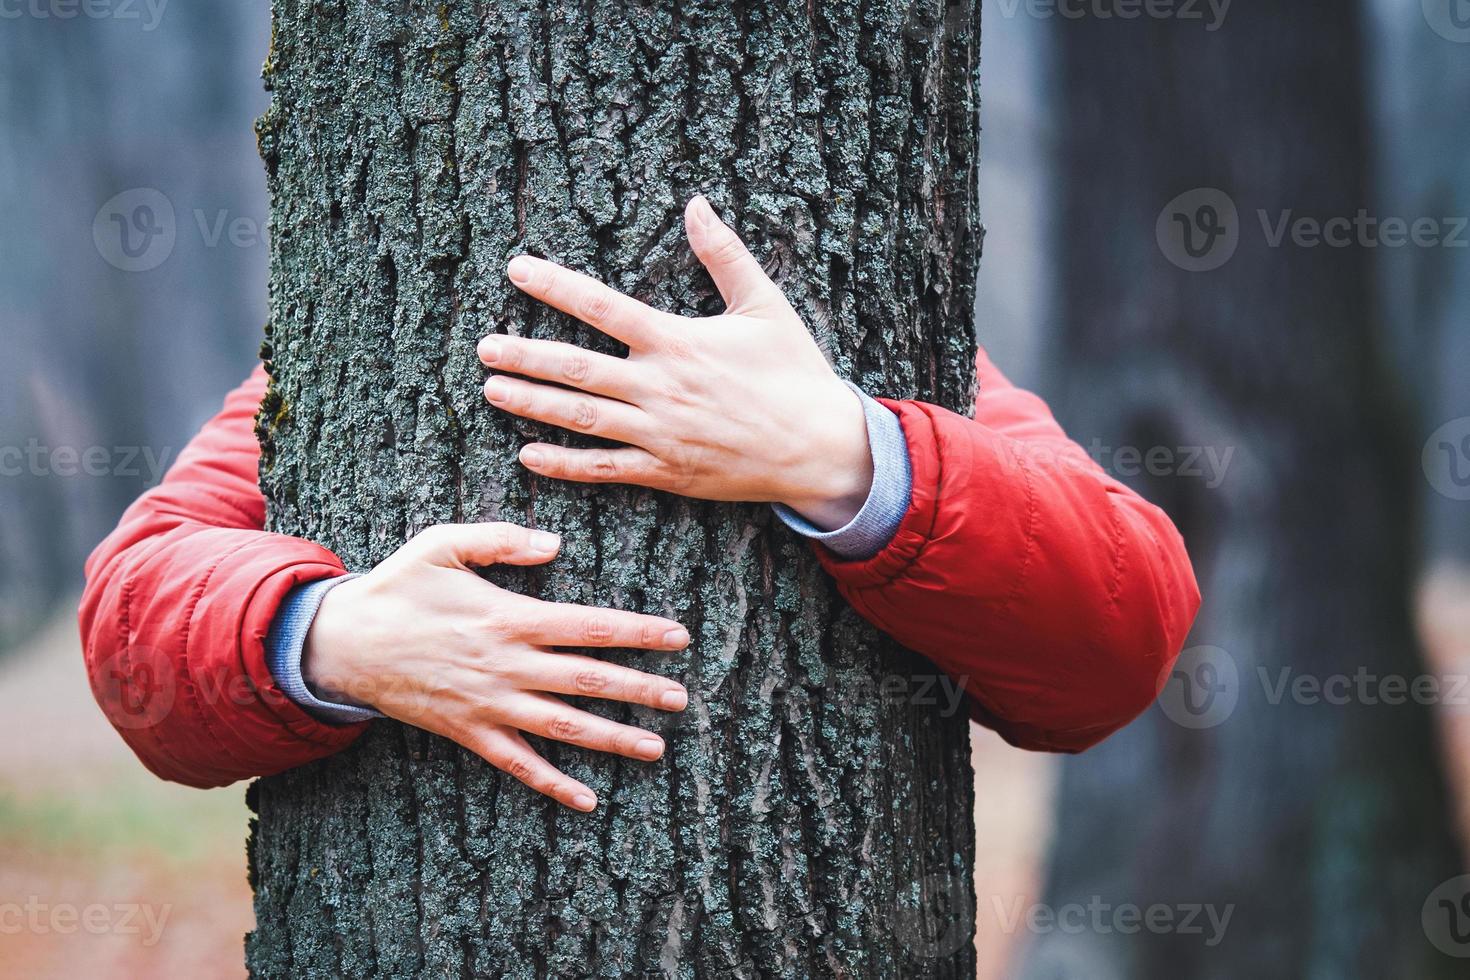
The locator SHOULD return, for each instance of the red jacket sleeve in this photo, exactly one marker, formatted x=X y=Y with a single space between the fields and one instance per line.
x=1058 y=597
x=175 y=611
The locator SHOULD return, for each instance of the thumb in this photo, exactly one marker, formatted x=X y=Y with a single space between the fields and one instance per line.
x=738 y=276
x=479 y=545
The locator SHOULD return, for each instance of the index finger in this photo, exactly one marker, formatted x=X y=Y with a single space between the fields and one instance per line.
x=595 y=304
x=483 y=544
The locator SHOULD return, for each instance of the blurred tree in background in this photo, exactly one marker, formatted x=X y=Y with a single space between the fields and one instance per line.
x=1420 y=91
x=1324 y=825
x=1421 y=87
x=125 y=364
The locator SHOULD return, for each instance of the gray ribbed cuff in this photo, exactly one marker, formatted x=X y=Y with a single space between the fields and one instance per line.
x=874 y=525
x=284 y=643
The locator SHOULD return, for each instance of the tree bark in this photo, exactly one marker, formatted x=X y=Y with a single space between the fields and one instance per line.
x=807 y=820
x=1319 y=821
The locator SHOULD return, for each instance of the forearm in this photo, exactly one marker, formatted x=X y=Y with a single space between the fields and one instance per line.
x=173 y=632
x=1054 y=594
x=176 y=607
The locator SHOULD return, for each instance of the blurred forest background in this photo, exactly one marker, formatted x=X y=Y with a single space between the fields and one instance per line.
x=1299 y=401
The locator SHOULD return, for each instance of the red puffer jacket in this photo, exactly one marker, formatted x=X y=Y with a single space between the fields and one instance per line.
x=1055 y=595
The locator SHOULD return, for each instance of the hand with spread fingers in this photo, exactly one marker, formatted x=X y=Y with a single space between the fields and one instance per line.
x=423 y=639
x=741 y=406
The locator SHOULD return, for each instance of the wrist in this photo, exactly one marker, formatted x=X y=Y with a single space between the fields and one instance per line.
x=833 y=476
x=327 y=654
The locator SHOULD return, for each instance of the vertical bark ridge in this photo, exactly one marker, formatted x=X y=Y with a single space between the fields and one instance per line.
x=802 y=822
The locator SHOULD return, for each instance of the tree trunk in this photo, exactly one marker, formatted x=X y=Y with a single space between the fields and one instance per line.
x=813 y=814
x=1315 y=817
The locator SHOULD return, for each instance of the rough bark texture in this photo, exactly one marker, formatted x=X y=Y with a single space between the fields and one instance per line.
x=802 y=823
x=1323 y=824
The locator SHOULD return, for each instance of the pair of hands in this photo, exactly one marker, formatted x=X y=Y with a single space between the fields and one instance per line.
x=741 y=406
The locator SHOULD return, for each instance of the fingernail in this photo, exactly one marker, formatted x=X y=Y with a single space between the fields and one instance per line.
x=703 y=211
x=677 y=638
x=649 y=748
x=496 y=390
x=519 y=270
x=489 y=351
x=584 y=801
x=545 y=541
x=532 y=456
x=674 y=700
